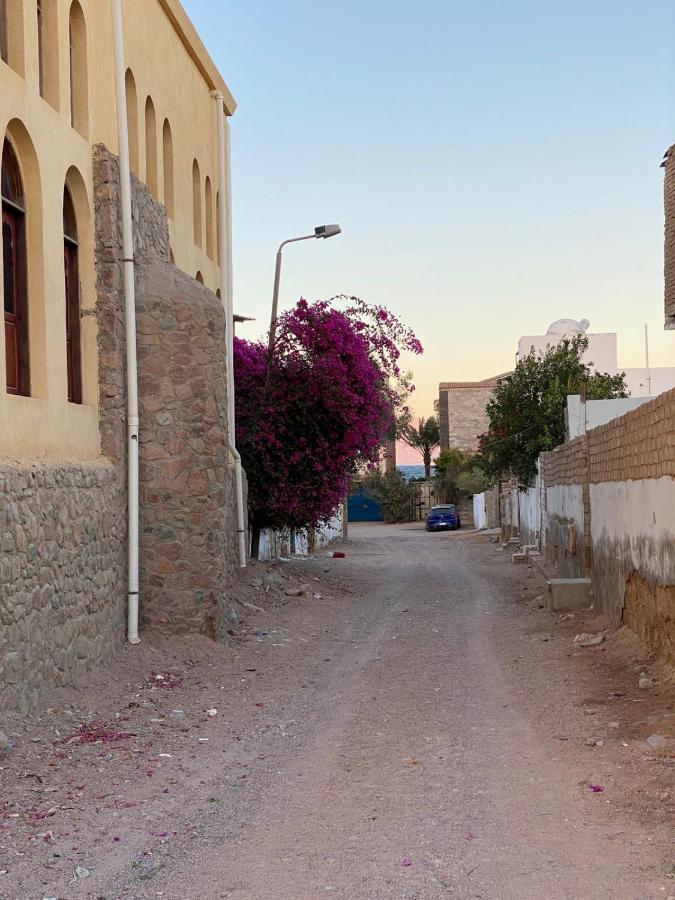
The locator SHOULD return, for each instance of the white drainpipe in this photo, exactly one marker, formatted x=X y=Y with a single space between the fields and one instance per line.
x=130 y=324
x=225 y=252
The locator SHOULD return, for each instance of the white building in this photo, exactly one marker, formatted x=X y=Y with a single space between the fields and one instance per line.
x=602 y=353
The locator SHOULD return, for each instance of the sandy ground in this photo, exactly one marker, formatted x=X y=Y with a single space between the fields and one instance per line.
x=412 y=727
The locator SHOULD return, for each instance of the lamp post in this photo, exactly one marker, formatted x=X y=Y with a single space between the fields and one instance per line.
x=321 y=231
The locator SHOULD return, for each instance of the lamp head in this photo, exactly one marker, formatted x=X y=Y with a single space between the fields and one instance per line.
x=326 y=231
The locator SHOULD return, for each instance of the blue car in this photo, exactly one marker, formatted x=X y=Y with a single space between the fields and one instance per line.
x=446 y=517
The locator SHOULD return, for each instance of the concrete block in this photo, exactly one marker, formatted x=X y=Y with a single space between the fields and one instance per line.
x=511 y=544
x=519 y=558
x=569 y=594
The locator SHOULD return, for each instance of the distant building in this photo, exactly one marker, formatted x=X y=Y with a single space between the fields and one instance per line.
x=461 y=411
x=602 y=354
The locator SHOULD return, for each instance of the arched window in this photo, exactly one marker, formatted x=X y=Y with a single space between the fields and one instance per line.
x=4 y=37
x=151 y=147
x=11 y=34
x=167 y=158
x=14 y=261
x=132 y=120
x=48 y=51
x=79 y=82
x=72 y=284
x=196 y=204
x=208 y=202
x=199 y=277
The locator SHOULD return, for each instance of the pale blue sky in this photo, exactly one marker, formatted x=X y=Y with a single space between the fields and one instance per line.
x=494 y=165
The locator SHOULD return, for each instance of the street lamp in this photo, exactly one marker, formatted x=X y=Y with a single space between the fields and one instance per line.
x=321 y=231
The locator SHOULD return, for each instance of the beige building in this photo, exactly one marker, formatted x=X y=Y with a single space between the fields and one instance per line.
x=461 y=412
x=58 y=101
x=63 y=527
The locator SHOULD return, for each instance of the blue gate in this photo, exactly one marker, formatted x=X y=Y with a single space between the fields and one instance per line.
x=361 y=508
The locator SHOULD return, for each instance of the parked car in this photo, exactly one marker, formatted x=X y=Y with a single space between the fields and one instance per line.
x=446 y=517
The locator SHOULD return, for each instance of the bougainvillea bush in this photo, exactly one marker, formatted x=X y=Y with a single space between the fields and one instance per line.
x=318 y=407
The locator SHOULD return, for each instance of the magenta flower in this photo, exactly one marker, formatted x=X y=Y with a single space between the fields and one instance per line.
x=333 y=390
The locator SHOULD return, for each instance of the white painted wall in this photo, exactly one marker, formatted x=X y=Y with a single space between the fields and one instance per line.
x=601 y=348
x=661 y=379
x=637 y=518
x=530 y=515
x=479 y=511
x=597 y=412
x=566 y=501
x=275 y=543
x=329 y=531
x=563 y=521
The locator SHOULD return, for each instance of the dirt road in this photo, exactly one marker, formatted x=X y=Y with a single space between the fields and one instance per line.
x=422 y=736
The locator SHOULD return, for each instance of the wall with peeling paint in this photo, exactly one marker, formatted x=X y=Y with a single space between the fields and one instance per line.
x=633 y=552
x=530 y=514
x=564 y=525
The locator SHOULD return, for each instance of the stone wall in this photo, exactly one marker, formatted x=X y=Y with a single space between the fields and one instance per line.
x=461 y=413
x=189 y=552
x=62 y=571
x=63 y=528
x=669 y=236
x=188 y=543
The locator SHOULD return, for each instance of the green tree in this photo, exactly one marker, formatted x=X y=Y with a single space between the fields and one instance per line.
x=426 y=438
x=527 y=411
x=448 y=464
x=473 y=480
x=457 y=474
x=393 y=494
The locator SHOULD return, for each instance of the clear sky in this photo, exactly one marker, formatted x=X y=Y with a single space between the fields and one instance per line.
x=494 y=165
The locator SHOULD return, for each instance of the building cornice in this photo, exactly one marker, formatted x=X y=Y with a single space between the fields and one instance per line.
x=485 y=383
x=197 y=51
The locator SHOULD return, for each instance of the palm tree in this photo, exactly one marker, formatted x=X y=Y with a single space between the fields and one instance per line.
x=426 y=438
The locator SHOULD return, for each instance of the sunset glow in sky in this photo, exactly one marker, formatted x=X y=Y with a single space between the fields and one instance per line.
x=494 y=165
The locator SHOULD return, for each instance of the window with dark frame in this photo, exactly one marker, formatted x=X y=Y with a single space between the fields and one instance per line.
x=72 y=283
x=14 y=260
x=4 y=42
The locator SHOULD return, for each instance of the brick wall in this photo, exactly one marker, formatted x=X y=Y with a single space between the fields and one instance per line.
x=669 y=236
x=632 y=487
x=640 y=444
x=610 y=501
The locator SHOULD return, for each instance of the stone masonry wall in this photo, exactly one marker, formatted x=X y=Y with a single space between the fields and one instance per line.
x=187 y=485
x=62 y=570
x=63 y=524
x=462 y=416
x=187 y=505
x=669 y=236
